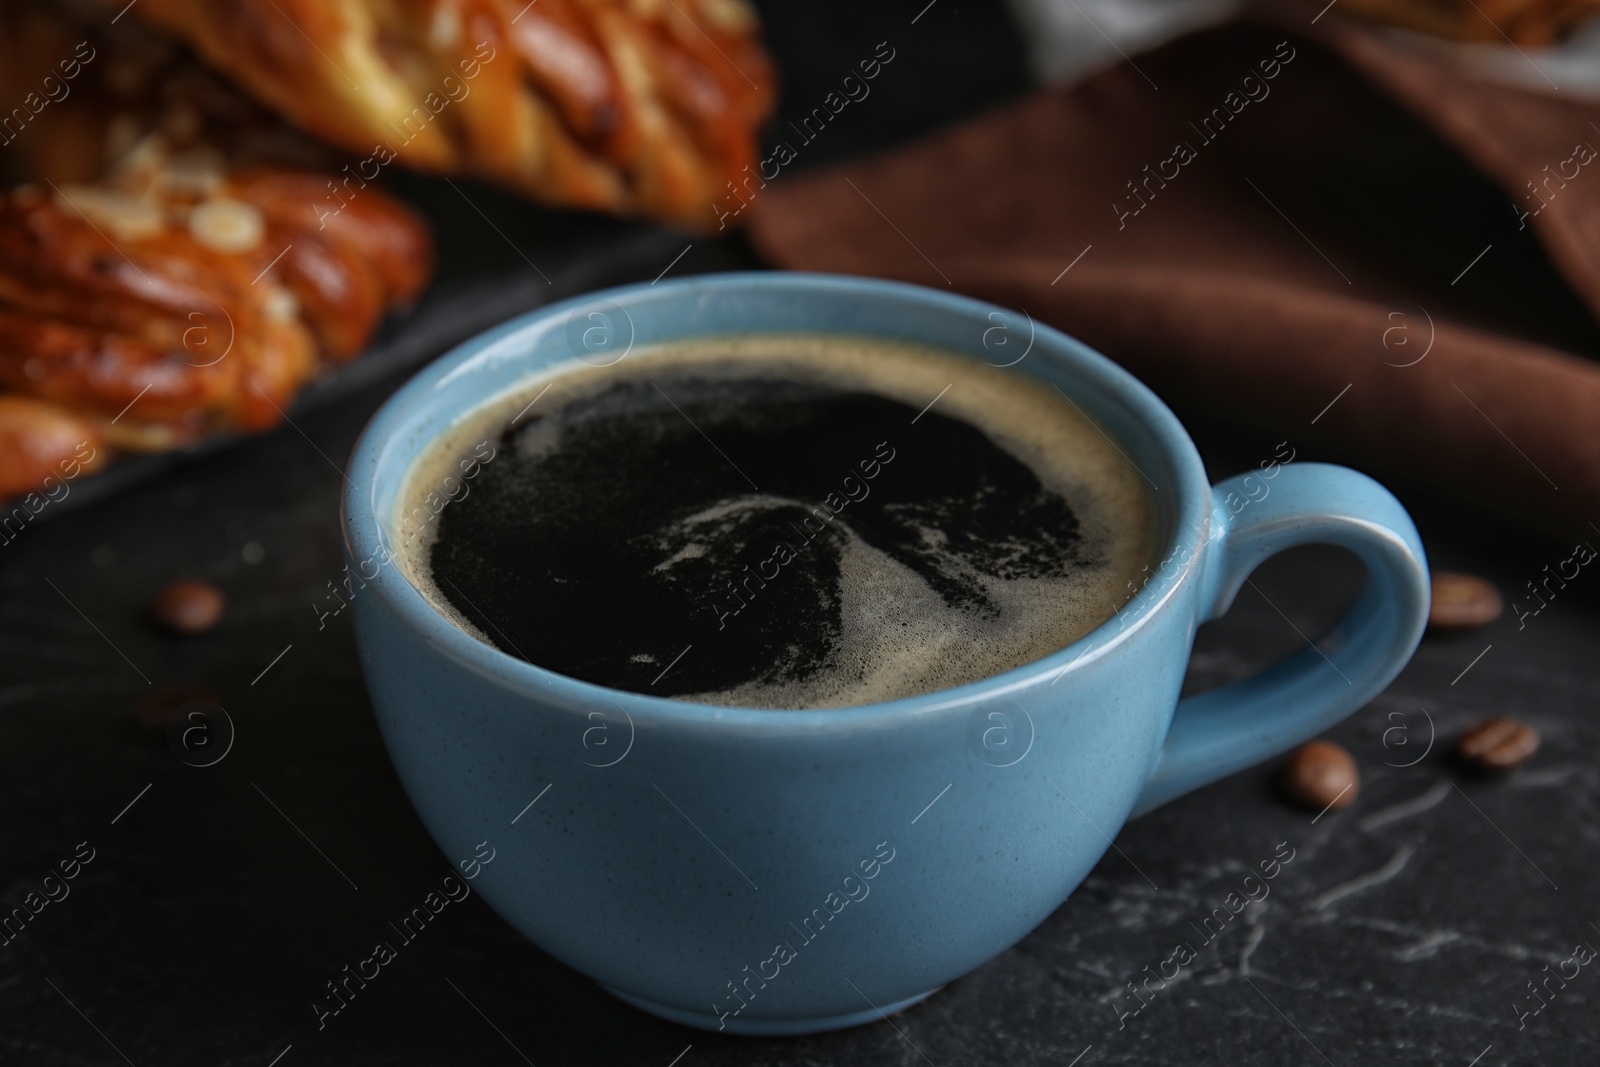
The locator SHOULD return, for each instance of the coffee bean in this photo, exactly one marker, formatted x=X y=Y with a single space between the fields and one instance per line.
x=1497 y=744
x=188 y=606
x=1462 y=601
x=1321 y=775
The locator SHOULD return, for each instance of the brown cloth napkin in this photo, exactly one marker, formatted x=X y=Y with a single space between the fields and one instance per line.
x=1297 y=227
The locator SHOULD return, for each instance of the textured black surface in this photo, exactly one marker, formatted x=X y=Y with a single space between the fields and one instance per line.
x=1404 y=930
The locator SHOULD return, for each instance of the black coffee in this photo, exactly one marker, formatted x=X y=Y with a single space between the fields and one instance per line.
x=750 y=526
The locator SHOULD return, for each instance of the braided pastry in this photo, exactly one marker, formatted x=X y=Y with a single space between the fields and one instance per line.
x=191 y=312
x=163 y=274
x=642 y=107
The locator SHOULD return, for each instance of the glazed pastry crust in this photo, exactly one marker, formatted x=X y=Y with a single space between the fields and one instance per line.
x=148 y=313
x=645 y=107
x=164 y=272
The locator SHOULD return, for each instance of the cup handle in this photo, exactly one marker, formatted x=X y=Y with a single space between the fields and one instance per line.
x=1225 y=730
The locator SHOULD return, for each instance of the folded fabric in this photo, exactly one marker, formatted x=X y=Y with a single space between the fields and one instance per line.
x=1292 y=226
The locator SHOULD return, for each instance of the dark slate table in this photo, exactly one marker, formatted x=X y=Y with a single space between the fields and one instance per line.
x=217 y=900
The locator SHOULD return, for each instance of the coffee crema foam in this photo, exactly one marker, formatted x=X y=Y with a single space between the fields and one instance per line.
x=781 y=521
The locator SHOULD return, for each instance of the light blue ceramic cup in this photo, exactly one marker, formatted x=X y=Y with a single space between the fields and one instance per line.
x=783 y=872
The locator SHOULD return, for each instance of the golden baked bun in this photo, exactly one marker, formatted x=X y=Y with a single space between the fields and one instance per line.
x=166 y=311
x=641 y=107
x=174 y=262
